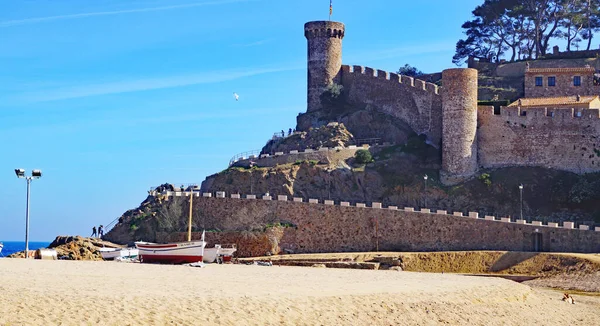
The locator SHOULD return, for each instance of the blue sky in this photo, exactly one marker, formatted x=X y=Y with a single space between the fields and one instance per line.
x=109 y=98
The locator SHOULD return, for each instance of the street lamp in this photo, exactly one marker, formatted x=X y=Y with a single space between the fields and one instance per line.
x=521 y=195
x=425 y=177
x=35 y=174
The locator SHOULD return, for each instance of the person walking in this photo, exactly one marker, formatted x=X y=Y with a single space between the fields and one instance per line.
x=100 y=232
x=94 y=232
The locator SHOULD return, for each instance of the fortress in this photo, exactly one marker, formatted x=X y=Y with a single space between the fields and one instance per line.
x=470 y=137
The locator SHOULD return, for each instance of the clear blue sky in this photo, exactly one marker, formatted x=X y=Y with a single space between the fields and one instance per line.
x=109 y=98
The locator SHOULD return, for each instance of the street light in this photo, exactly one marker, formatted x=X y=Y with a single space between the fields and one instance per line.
x=521 y=195
x=35 y=174
x=425 y=177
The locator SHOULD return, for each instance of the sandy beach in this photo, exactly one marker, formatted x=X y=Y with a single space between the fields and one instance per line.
x=34 y=292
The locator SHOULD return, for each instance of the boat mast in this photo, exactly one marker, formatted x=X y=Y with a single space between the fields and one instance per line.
x=190 y=219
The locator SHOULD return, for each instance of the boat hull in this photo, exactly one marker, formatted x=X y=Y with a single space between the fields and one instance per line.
x=210 y=254
x=171 y=253
x=111 y=254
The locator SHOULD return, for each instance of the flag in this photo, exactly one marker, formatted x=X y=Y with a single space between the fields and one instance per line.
x=330 y=7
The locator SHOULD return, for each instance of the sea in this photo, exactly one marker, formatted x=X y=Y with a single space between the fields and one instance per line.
x=11 y=247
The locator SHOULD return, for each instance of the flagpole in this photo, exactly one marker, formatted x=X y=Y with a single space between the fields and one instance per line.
x=190 y=218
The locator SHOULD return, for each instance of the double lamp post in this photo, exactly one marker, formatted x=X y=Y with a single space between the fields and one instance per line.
x=35 y=174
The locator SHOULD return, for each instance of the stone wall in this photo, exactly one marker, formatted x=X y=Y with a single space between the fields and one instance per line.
x=459 y=116
x=413 y=101
x=563 y=139
x=328 y=227
x=324 y=58
x=564 y=84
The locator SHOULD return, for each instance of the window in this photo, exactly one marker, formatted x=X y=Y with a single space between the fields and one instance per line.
x=552 y=81
x=539 y=81
x=577 y=81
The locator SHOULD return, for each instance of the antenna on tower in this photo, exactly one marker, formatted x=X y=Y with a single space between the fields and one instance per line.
x=330 y=9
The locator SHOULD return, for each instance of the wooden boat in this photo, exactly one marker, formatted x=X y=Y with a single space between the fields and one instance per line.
x=176 y=252
x=225 y=252
x=171 y=253
x=114 y=253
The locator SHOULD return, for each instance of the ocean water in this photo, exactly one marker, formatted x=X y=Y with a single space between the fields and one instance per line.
x=16 y=246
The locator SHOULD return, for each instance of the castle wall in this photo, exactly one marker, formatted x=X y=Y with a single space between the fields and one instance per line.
x=323 y=227
x=563 y=139
x=414 y=101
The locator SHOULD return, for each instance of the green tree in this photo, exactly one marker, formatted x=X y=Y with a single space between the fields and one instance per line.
x=363 y=156
x=409 y=70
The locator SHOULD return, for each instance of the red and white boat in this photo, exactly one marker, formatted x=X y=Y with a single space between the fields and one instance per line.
x=225 y=252
x=171 y=253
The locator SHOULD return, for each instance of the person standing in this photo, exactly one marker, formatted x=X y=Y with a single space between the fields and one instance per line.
x=100 y=232
x=94 y=232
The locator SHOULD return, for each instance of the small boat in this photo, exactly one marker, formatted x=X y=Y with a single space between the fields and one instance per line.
x=211 y=254
x=1 y=246
x=171 y=253
x=227 y=252
x=114 y=253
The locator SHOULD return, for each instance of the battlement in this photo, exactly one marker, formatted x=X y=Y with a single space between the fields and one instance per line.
x=392 y=77
x=324 y=29
x=543 y=113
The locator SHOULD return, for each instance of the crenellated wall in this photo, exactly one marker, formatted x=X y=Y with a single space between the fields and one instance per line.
x=327 y=226
x=414 y=101
x=563 y=139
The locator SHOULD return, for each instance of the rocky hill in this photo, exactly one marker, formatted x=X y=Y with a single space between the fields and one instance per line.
x=75 y=248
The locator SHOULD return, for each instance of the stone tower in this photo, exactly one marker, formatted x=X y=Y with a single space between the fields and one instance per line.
x=324 y=58
x=459 y=125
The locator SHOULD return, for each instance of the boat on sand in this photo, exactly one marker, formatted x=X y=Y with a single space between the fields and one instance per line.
x=171 y=253
x=225 y=252
x=174 y=252
x=115 y=253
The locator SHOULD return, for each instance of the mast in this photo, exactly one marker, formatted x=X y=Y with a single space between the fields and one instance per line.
x=190 y=219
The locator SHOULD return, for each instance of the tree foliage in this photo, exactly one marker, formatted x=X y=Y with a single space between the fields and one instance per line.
x=409 y=70
x=524 y=29
x=363 y=156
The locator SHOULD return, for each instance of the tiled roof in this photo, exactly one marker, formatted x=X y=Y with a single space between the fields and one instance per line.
x=551 y=101
x=556 y=70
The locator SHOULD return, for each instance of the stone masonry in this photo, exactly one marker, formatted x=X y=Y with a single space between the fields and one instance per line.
x=335 y=228
x=470 y=138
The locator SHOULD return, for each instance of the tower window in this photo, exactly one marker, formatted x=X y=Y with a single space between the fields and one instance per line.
x=577 y=81
x=552 y=81
x=539 y=81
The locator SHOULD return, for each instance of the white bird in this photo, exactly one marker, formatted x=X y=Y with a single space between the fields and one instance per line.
x=237 y=97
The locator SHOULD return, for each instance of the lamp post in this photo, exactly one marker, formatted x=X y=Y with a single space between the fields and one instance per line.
x=425 y=177
x=521 y=195
x=35 y=174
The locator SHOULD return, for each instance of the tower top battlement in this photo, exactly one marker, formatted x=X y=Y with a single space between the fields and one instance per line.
x=324 y=28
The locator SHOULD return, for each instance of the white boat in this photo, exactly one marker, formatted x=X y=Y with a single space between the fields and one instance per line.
x=1 y=246
x=211 y=254
x=171 y=253
x=227 y=252
x=114 y=253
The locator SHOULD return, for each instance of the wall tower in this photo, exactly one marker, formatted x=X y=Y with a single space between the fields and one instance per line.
x=324 y=58
x=459 y=125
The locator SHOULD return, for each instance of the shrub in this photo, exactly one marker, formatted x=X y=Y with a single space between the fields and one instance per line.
x=486 y=179
x=363 y=156
x=334 y=90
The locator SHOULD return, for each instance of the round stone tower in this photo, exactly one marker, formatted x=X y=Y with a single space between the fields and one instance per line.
x=459 y=125
x=324 y=58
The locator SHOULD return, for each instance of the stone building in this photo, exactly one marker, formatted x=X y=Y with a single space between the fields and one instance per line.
x=559 y=132
x=542 y=82
x=564 y=102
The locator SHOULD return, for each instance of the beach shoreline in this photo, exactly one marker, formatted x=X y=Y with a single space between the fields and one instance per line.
x=38 y=292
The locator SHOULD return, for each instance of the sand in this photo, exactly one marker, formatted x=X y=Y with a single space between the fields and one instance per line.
x=34 y=292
